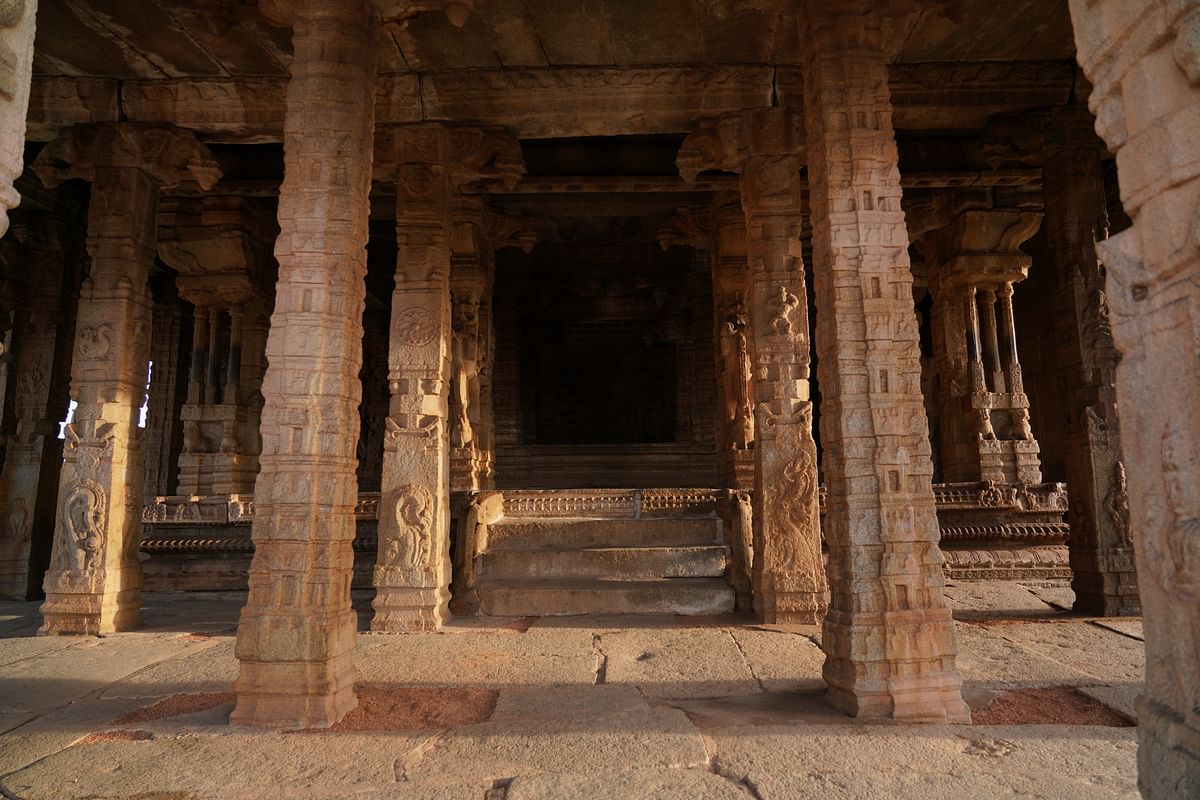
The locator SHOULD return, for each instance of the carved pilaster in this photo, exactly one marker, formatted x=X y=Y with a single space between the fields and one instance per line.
x=1101 y=545
x=427 y=163
x=766 y=147
x=39 y=368
x=296 y=637
x=94 y=582
x=888 y=636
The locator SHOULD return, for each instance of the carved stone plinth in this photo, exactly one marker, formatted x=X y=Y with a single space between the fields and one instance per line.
x=94 y=581
x=429 y=337
x=1144 y=60
x=888 y=636
x=296 y=637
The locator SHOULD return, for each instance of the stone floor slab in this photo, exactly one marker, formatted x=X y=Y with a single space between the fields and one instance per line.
x=660 y=784
x=987 y=658
x=779 y=660
x=700 y=662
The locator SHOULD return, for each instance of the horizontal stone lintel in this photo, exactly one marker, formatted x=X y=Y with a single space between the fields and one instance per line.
x=550 y=102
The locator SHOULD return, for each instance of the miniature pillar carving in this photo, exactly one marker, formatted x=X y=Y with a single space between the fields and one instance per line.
x=972 y=263
x=1143 y=58
x=766 y=147
x=17 y=24
x=220 y=244
x=888 y=638
x=94 y=582
x=427 y=163
x=296 y=637
x=39 y=369
x=735 y=381
x=1101 y=544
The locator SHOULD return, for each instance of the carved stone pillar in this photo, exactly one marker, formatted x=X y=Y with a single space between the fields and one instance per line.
x=40 y=367
x=168 y=387
x=765 y=147
x=888 y=637
x=17 y=23
x=427 y=162
x=972 y=263
x=1143 y=59
x=296 y=637
x=1101 y=544
x=470 y=462
x=94 y=582
x=220 y=244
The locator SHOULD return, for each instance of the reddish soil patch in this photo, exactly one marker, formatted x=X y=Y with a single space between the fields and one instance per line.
x=406 y=708
x=1057 y=705
x=175 y=705
x=116 y=736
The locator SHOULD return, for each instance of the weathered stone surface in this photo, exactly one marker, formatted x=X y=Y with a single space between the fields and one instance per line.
x=669 y=664
x=888 y=636
x=16 y=53
x=296 y=637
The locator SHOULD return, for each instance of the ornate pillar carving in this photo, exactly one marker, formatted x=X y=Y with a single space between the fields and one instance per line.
x=972 y=263
x=168 y=387
x=1101 y=544
x=94 y=582
x=888 y=637
x=427 y=163
x=220 y=244
x=1143 y=58
x=766 y=148
x=296 y=637
x=39 y=368
x=17 y=24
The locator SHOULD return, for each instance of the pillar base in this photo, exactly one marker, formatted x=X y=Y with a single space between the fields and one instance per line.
x=1168 y=753
x=79 y=605
x=786 y=600
x=1105 y=583
x=295 y=695
x=409 y=608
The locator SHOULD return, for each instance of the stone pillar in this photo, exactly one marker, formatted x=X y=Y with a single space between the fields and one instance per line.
x=220 y=245
x=1101 y=543
x=972 y=263
x=765 y=147
x=40 y=368
x=888 y=637
x=17 y=24
x=296 y=637
x=1143 y=58
x=470 y=463
x=168 y=387
x=427 y=163
x=94 y=582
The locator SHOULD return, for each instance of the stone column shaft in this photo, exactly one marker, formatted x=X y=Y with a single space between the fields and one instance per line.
x=211 y=387
x=888 y=636
x=788 y=572
x=296 y=637
x=992 y=341
x=94 y=582
x=199 y=356
x=17 y=25
x=1143 y=59
x=233 y=368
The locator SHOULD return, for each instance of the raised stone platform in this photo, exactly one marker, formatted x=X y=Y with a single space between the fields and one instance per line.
x=989 y=531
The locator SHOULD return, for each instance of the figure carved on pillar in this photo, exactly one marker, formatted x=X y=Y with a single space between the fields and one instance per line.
x=465 y=368
x=408 y=546
x=738 y=378
x=782 y=306
x=84 y=513
x=1117 y=504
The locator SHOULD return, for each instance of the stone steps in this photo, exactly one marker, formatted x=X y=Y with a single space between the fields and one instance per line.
x=605 y=551
x=570 y=597
x=634 y=563
x=526 y=534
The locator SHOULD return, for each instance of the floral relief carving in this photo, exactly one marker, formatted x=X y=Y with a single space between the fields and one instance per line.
x=95 y=342
x=415 y=326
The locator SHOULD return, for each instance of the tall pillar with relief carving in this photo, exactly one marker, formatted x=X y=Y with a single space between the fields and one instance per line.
x=888 y=637
x=427 y=164
x=35 y=250
x=972 y=263
x=1143 y=59
x=766 y=148
x=296 y=637
x=1101 y=544
x=94 y=581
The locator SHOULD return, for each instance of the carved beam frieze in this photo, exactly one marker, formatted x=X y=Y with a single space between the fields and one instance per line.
x=691 y=227
x=171 y=155
x=482 y=156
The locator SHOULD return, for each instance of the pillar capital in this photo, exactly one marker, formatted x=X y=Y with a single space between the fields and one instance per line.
x=469 y=154
x=513 y=230
x=982 y=247
x=169 y=154
x=729 y=141
x=691 y=226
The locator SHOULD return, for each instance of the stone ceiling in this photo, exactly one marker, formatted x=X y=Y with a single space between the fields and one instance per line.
x=155 y=39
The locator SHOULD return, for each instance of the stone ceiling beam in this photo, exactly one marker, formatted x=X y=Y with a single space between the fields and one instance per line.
x=550 y=102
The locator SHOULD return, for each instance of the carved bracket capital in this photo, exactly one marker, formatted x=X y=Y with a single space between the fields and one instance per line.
x=170 y=155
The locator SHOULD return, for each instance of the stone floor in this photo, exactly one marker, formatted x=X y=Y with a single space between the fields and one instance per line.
x=571 y=708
